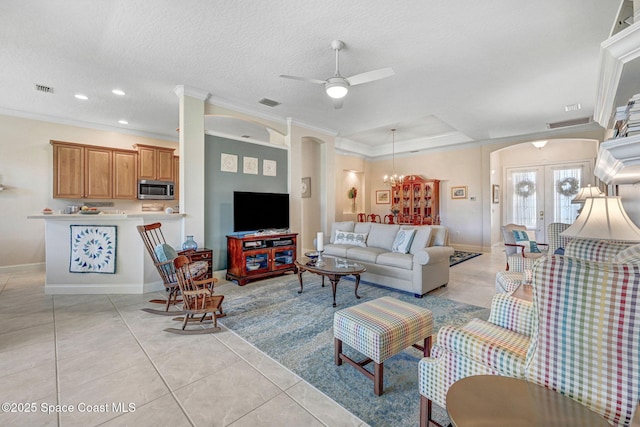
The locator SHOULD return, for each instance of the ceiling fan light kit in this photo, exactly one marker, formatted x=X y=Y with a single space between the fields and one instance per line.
x=337 y=86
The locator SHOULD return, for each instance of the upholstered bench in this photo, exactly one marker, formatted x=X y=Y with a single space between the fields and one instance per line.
x=380 y=329
x=508 y=281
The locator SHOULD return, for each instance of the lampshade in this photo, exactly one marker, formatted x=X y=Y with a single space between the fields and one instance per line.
x=603 y=218
x=336 y=88
x=585 y=192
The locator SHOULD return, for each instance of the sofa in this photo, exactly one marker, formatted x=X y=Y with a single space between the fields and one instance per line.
x=408 y=258
x=580 y=336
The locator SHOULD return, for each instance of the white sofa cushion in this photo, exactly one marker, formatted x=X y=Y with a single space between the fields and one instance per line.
x=337 y=250
x=422 y=238
x=395 y=259
x=340 y=226
x=362 y=227
x=364 y=254
x=382 y=235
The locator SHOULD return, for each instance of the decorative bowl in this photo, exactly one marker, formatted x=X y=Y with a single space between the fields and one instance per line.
x=253 y=267
x=311 y=255
x=89 y=212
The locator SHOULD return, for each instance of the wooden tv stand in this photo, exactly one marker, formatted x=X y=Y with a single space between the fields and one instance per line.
x=258 y=256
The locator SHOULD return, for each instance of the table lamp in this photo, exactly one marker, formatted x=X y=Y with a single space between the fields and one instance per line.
x=603 y=218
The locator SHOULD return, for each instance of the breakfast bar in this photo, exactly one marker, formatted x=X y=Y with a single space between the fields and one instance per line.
x=102 y=253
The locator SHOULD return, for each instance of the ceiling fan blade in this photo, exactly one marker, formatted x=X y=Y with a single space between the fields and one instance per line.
x=304 y=79
x=337 y=103
x=370 y=76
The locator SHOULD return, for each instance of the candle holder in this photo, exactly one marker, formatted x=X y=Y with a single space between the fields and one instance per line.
x=319 y=261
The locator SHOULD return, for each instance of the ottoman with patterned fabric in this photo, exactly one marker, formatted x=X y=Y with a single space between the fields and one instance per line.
x=380 y=329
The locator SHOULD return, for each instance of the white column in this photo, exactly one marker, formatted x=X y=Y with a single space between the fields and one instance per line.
x=191 y=151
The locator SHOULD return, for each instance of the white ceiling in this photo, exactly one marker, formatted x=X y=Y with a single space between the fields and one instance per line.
x=464 y=71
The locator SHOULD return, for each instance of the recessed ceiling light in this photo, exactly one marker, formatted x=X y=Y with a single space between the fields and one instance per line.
x=81 y=96
x=118 y=92
x=123 y=122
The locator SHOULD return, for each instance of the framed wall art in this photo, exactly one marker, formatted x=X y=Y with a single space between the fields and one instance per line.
x=383 y=197
x=459 y=192
x=305 y=189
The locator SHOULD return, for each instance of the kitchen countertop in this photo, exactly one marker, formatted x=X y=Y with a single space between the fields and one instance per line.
x=107 y=216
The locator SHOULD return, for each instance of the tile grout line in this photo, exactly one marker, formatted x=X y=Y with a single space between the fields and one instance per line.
x=175 y=398
x=55 y=354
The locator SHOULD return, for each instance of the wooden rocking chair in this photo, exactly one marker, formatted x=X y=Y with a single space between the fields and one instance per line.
x=156 y=244
x=198 y=300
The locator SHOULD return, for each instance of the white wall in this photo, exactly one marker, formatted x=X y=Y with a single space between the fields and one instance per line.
x=460 y=167
x=26 y=172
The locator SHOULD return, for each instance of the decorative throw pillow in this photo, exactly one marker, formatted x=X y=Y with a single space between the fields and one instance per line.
x=349 y=238
x=164 y=253
x=403 y=240
x=522 y=238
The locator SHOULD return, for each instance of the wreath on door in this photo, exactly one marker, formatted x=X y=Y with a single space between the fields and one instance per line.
x=568 y=186
x=525 y=188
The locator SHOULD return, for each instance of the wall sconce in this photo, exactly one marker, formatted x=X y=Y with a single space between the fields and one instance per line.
x=539 y=144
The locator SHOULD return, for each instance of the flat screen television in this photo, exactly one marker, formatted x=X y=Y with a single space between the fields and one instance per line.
x=260 y=211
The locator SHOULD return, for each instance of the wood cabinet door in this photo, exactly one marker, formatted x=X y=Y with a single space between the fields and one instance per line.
x=146 y=163
x=68 y=171
x=98 y=178
x=125 y=174
x=164 y=165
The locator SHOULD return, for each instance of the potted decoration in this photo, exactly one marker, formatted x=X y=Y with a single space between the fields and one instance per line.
x=352 y=194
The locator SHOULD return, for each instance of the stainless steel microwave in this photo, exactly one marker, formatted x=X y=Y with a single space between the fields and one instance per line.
x=155 y=190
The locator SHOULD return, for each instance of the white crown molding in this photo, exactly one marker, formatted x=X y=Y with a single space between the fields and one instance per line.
x=87 y=125
x=182 y=90
x=213 y=100
x=615 y=52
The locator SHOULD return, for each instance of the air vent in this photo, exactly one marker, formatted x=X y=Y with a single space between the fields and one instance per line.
x=43 y=88
x=568 y=123
x=269 y=102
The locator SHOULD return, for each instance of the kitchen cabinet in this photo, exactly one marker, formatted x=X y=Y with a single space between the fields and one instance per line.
x=125 y=174
x=68 y=170
x=418 y=200
x=253 y=257
x=155 y=163
x=81 y=171
x=98 y=173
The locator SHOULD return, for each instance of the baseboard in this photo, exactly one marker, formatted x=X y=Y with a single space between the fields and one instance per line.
x=468 y=248
x=85 y=289
x=22 y=267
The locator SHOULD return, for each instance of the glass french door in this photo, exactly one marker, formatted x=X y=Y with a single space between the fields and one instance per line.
x=539 y=195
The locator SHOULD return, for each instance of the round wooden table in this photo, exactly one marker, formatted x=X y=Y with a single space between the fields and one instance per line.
x=492 y=400
x=332 y=267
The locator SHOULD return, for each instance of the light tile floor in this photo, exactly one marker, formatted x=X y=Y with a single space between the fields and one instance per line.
x=112 y=364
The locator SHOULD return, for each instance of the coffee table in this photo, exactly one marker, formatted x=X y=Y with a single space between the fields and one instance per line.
x=334 y=268
x=494 y=400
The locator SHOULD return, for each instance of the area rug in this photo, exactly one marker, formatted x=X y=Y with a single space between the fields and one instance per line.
x=461 y=256
x=297 y=331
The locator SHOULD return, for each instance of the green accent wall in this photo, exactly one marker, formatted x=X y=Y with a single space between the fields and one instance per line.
x=219 y=187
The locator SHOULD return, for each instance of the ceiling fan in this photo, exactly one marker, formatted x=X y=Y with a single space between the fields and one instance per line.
x=337 y=86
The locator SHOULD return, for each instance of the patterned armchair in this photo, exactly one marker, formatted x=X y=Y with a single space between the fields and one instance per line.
x=580 y=337
x=517 y=258
x=520 y=271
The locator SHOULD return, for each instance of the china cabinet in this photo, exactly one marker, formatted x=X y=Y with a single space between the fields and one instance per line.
x=417 y=200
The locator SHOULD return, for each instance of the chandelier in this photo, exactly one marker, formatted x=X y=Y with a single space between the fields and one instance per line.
x=393 y=179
